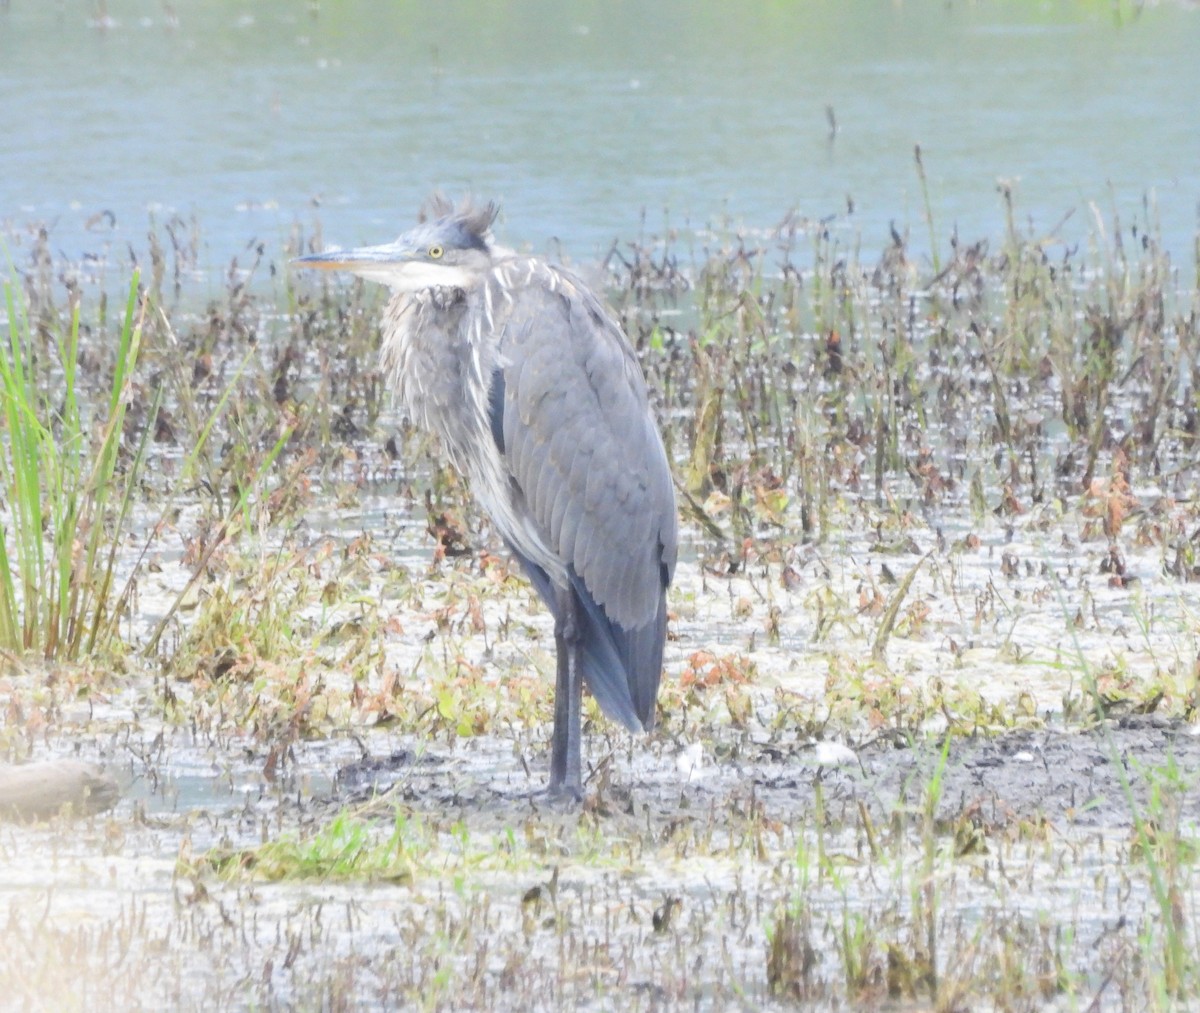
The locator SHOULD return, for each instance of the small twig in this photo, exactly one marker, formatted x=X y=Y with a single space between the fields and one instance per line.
x=893 y=609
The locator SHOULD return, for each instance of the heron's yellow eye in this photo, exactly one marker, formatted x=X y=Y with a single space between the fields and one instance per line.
x=435 y=252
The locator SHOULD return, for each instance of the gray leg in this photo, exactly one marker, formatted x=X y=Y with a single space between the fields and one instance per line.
x=566 y=765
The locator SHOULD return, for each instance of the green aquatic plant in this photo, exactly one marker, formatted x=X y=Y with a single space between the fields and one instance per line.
x=345 y=849
x=67 y=491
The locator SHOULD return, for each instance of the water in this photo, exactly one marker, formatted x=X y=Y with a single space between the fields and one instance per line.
x=581 y=117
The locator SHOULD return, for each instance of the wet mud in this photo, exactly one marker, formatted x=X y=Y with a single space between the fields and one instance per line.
x=1100 y=777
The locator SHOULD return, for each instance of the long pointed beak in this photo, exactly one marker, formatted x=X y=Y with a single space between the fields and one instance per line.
x=360 y=260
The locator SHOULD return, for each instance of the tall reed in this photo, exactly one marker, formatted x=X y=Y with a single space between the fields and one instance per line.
x=65 y=501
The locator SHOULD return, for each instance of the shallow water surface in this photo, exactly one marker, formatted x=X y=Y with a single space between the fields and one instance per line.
x=580 y=116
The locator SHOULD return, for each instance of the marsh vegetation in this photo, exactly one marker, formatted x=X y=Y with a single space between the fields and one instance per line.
x=927 y=735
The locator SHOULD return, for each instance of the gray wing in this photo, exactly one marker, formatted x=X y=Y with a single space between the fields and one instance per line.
x=581 y=444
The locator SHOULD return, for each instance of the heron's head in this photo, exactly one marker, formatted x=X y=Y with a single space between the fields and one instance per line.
x=450 y=246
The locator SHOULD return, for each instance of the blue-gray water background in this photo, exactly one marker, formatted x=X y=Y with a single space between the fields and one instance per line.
x=578 y=116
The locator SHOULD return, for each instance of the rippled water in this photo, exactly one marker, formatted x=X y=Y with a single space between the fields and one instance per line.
x=579 y=116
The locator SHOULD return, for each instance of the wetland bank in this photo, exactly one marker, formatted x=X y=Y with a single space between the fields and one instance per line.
x=927 y=735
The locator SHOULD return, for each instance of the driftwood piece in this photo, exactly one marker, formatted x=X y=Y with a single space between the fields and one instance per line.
x=38 y=791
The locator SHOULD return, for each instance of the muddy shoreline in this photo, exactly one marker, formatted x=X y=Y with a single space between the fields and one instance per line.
x=1079 y=778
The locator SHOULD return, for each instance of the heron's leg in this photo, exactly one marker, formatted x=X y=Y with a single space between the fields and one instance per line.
x=566 y=765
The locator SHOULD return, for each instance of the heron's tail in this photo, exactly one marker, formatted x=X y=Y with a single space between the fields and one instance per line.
x=621 y=666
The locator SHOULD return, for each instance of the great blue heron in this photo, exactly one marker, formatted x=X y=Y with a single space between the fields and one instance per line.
x=540 y=403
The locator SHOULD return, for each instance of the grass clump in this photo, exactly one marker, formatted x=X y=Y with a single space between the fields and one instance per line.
x=67 y=493
x=347 y=848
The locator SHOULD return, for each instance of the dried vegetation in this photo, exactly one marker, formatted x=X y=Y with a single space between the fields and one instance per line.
x=926 y=734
